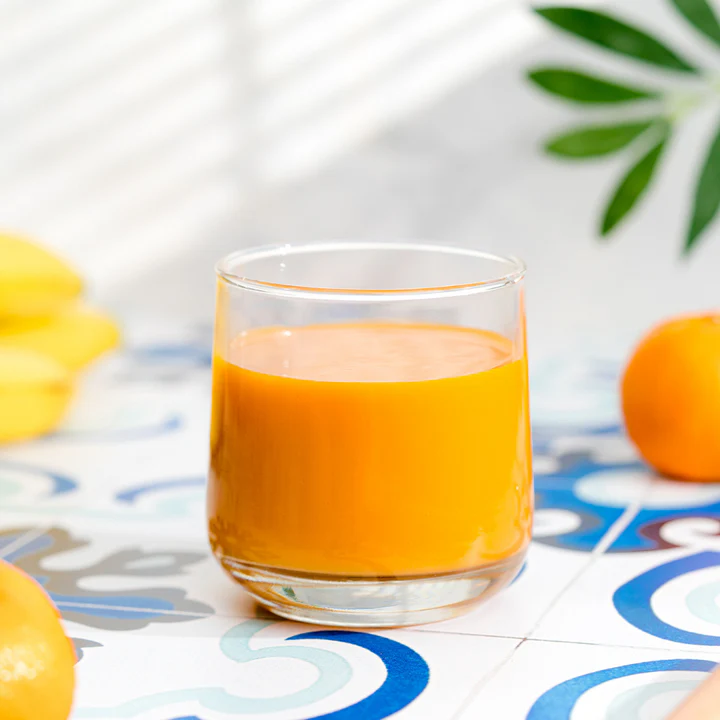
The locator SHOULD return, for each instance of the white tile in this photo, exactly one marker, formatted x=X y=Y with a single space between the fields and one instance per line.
x=516 y=610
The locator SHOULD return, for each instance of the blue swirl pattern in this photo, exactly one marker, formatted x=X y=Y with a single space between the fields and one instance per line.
x=407 y=675
x=633 y=600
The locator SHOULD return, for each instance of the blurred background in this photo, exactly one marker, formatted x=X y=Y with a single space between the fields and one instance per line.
x=144 y=140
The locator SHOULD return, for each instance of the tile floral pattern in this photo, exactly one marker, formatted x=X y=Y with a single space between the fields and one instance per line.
x=615 y=614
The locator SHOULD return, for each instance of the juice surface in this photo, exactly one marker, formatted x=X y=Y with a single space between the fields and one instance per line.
x=370 y=449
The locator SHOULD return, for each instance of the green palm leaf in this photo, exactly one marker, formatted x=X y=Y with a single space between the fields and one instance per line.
x=700 y=14
x=598 y=140
x=612 y=34
x=707 y=196
x=584 y=88
x=634 y=184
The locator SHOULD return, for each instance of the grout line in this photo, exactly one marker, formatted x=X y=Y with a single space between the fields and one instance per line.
x=561 y=594
x=600 y=549
x=685 y=649
x=618 y=526
x=710 y=650
x=25 y=539
x=484 y=680
x=610 y=536
x=418 y=628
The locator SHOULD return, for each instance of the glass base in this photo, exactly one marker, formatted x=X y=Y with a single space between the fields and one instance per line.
x=375 y=602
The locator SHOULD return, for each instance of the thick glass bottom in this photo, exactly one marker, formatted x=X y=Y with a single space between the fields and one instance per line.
x=371 y=602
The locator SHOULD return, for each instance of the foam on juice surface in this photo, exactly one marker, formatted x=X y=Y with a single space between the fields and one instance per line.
x=377 y=352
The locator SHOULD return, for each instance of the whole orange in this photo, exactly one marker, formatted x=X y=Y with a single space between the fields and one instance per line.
x=37 y=661
x=671 y=397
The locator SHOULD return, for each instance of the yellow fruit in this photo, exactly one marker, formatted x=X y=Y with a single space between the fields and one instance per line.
x=73 y=337
x=37 y=660
x=32 y=280
x=35 y=391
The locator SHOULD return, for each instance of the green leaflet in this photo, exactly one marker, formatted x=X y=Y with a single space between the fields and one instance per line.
x=595 y=141
x=707 y=196
x=612 y=34
x=584 y=88
x=635 y=183
x=700 y=14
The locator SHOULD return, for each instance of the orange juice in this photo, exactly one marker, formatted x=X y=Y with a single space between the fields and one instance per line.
x=370 y=450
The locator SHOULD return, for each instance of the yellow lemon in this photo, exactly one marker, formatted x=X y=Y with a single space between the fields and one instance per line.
x=37 y=660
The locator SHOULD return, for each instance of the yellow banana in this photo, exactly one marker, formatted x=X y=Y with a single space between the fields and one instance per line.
x=74 y=337
x=32 y=280
x=35 y=391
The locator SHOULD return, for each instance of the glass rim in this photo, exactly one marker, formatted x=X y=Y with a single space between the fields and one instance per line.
x=223 y=269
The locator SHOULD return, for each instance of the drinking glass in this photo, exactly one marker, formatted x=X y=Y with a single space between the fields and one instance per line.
x=370 y=441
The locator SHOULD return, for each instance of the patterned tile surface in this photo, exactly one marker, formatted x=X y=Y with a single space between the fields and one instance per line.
x=615 y=615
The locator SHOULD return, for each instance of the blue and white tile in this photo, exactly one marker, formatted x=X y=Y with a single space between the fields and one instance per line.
x=168 y=509
x=580 y=498
x=663 y=599
x=135 y=494
x=671 y=514
x=215 y=668
x=121 y=582
x=566 y=681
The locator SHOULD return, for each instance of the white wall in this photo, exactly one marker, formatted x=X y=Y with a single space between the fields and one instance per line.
x=132 y=129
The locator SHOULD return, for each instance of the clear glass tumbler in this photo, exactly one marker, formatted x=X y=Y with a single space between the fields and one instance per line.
x=370 y=441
